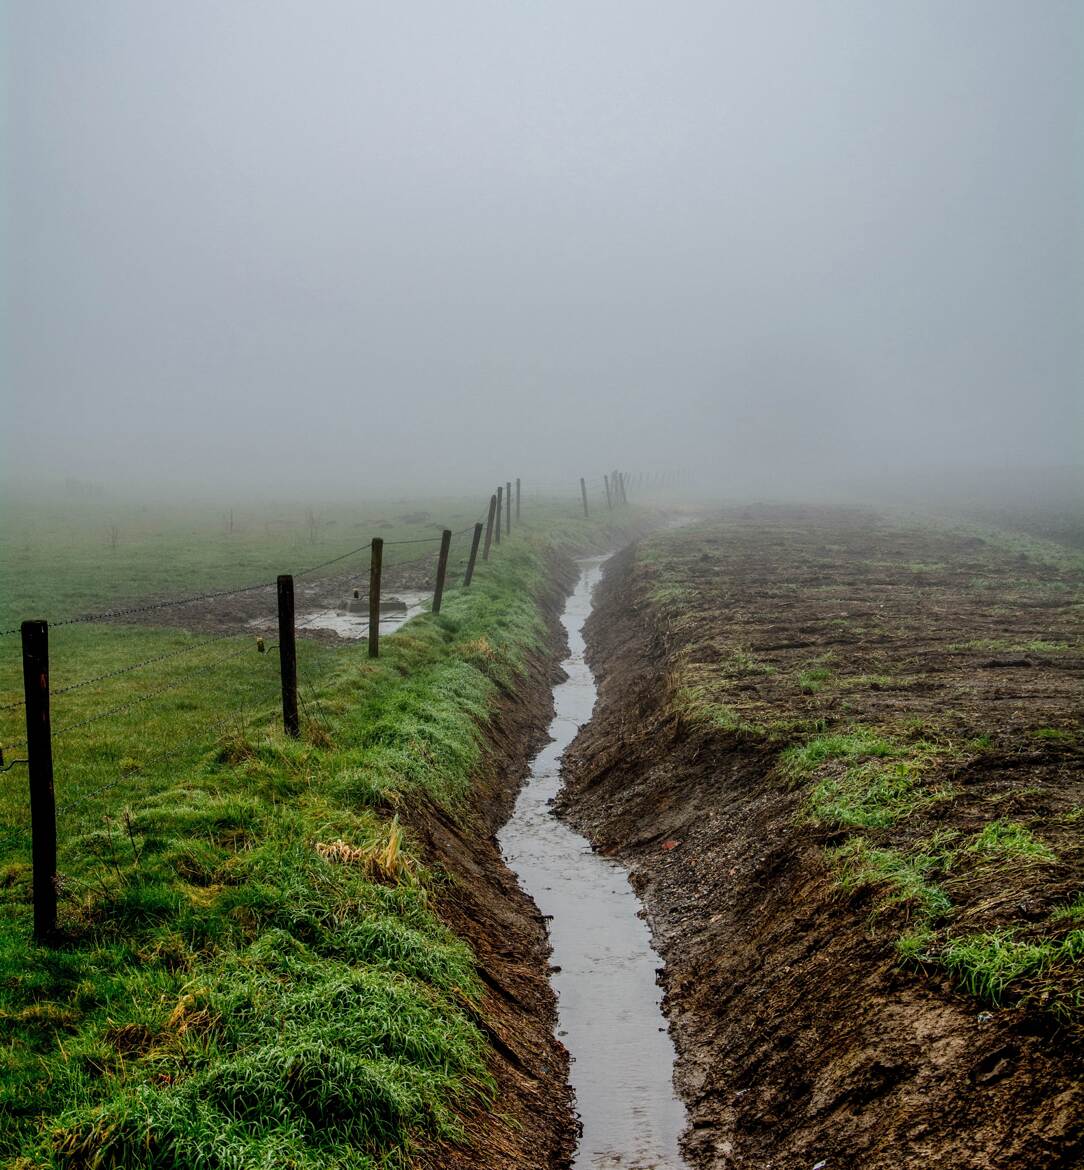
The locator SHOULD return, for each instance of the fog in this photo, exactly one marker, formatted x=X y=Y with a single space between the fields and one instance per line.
x=779 y=246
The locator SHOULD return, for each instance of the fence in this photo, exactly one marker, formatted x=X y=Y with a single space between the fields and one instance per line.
x=503 y=513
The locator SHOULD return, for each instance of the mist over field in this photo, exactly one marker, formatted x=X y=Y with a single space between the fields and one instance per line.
x=787 y=247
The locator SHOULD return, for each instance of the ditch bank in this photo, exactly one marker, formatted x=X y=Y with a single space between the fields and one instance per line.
x=531 y=1124
x=802 y=1041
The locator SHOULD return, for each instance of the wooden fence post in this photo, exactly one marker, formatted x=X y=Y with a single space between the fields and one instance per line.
x=609 y=501
x=39 y=751
x=517 y=499
x=376 y=557
x=288 y=656
x=508 y=508
x=489 y=527
x=442 y=568
x=583 y=492
x=497 y=530
x=473 y=555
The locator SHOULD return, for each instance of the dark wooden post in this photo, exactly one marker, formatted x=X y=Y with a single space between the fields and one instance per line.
x=39 y=752
x=376 y=557
x=442 y=568
x=489 y=527
x=609 y=501
x=473 y=555
x=497 y=530
x=517 y=499
x=583 y=492
x=508 y=508
x=288 y=656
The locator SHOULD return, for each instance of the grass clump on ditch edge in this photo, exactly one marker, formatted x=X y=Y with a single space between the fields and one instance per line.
x=994 y=964
x=862 y=779
x=904 y=878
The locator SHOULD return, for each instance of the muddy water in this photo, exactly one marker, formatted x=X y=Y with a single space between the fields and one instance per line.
x=353 y=622
x=609 y=1014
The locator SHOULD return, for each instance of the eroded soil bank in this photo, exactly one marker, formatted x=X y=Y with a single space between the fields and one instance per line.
x=804 y=1037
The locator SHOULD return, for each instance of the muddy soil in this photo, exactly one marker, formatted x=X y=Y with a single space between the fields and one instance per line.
x=803 y=1039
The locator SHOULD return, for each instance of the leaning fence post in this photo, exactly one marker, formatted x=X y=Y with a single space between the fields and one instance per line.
x=489 y=527
x=39 y=752
x=288 y=656
x=609 y=501
x=473 y=554
x=442 y=568
x=517 y=499
x=497 y=530
x=376 y=556
x=583 y=492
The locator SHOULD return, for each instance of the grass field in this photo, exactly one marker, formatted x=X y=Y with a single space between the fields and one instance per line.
x=251 y=971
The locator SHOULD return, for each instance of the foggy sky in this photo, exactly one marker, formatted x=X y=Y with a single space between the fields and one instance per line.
x=438 y=243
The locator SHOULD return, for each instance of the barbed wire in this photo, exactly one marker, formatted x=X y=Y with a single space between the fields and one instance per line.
x=148 y=761
x=156 y=605
x=139 y=665
x=333 y=561
x=419 y=540
x=147 y=696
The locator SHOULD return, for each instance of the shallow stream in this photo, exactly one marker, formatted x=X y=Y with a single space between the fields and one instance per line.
x=609 y=1013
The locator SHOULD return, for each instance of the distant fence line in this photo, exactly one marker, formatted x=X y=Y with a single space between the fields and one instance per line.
x=486 y=533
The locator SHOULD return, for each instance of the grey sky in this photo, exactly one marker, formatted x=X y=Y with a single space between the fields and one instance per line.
x=427 y=243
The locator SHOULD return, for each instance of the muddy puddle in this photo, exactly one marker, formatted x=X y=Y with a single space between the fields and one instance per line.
x=609 y=1013
x=350 y=618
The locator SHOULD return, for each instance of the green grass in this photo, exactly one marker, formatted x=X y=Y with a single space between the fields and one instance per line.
x=1057 y=734
x=1037 y=646
x=710 y=716
x=740 y=663
x=861 y=743
x=904 y=878
x=1072 y=911
x=253 y=973
x=1008 y=839
x=812 y=679
x=993 y=964
x=862 y=779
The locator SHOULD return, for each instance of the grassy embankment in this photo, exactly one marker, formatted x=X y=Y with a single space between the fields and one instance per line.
x=920 y=687
x=252 y=972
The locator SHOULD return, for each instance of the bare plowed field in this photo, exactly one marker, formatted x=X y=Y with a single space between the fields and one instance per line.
x=842 y=756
